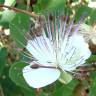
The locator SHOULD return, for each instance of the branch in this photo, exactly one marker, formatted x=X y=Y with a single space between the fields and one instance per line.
x=19 y=10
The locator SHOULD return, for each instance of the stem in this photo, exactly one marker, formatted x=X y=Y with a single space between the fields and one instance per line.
x=87 y=68
x=38 y=90
x=1 y=91
x=28 y=4
x=20 y=10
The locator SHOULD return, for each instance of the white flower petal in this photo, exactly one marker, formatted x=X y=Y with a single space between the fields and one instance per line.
x=76 y=52
x=40 y=77
x=80 y=44
x=41 y=49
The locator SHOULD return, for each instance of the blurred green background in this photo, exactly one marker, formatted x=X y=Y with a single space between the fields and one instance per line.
x=14 y=25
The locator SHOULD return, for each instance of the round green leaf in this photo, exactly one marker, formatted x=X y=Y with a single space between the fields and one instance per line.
x=81 y=11
x=15 y=73
x=7 y=16
x=18 y=27
x=65 y=89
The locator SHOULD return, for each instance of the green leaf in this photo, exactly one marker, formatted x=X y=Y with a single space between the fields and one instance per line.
x=49 y=5
x=56 y=5
x=7 y=16
x=41 y=4
x=3 y=57
x=1 y=1
x=65 y=89
x=91 y=59
x=93 y=17
x=65 y=77
x=18 y=27
x=92 y=91
x=7 y=84
x=82 y=10
x=28 y=93
x=15 y=73
x=10 y=2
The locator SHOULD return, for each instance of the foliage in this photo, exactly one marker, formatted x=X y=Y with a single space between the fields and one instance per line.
x=11 y=80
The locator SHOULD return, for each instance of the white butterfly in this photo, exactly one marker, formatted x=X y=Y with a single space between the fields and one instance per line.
x=58 y=50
